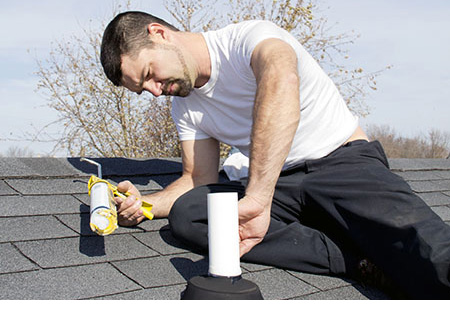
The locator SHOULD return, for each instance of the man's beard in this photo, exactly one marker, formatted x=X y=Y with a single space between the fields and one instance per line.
x=183 y=87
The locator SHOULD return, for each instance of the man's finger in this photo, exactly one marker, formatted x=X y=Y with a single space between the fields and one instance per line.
x=124 y=186
x=245 y=246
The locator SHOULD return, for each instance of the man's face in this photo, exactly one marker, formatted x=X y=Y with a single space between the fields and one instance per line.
x=160 y=70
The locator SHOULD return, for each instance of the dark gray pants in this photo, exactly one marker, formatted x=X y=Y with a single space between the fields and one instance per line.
x=329 y=213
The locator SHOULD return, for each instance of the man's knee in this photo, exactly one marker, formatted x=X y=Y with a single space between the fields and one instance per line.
x=188 y=219
x=179 y=220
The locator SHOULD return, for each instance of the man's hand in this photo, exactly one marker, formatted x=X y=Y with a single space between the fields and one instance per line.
x=129 y=209
x=254 y=220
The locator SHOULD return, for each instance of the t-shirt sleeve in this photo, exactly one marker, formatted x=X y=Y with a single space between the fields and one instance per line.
x=186 y=129
x=257 y=32
x=249 y=37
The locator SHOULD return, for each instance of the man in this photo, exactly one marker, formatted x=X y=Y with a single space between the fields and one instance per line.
x=319 y=197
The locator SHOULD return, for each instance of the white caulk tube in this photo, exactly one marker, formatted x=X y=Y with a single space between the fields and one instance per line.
x=223 y=234
x=99 y=202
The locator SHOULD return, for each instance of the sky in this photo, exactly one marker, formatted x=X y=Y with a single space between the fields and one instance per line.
x=412 y=36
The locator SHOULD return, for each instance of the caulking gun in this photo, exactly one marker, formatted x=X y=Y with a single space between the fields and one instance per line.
x=103 y=207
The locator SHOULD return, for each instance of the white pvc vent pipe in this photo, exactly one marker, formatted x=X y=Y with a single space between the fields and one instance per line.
x=223 y=234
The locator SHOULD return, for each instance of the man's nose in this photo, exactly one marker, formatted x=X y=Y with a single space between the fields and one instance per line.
x=154 y=87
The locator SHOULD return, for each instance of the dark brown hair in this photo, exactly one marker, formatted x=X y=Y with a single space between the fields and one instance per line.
x=127 y=33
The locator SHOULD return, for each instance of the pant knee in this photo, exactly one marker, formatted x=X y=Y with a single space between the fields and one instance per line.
x=188 y=221
x=188 y=218
x=178 y=221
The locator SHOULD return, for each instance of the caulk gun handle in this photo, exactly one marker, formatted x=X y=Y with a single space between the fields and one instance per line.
x=146 y=207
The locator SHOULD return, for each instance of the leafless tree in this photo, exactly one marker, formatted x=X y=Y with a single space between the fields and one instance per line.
x=436 y=144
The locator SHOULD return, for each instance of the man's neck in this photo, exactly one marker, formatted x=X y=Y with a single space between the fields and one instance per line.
x=196 y=45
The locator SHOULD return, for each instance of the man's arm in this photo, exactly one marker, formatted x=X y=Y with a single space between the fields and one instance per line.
x=276 y=116
x=200 y=166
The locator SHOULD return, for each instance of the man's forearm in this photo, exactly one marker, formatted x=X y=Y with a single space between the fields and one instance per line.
x=163 y=200
x=276 y=117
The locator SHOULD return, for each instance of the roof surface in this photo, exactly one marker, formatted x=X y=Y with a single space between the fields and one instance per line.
x=47 y=250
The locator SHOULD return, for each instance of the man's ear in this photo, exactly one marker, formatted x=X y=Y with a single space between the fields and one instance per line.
x=157 y=30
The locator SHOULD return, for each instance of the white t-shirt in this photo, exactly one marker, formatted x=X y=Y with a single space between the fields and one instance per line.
x=222 y=108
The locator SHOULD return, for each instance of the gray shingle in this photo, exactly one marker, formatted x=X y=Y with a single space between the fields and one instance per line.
x=13 y=167
x=36 y=167
x=161 y=293
x=163 y=242
x=346 y=293
x=5 y=189
x=84 y=199
x=418 y=164
x=444 y=174
x=79 y=222
x=322 y=282
x=84 y=250
x=38 y=205
x=252 y=267
x=430 y=186
x=50 y=167
x=32 y=228
x=443 y=212
x=49 y=186
x=164 y=270
x=419 y=175
x=147 y=184
x=13 y=261
x=81 y=282
x=279 y=284
x=435 y=199
x=154 y=225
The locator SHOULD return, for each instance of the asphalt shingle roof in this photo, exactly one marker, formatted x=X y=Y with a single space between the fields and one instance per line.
x=47 y=250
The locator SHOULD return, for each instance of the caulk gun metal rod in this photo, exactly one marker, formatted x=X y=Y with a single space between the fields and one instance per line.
x=99 y=166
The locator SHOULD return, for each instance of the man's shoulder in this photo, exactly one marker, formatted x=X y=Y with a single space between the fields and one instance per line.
x=242 y=34
x=246 y=25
